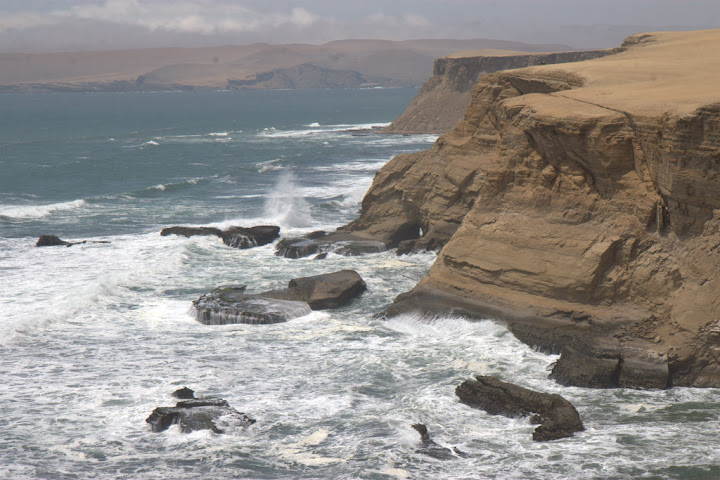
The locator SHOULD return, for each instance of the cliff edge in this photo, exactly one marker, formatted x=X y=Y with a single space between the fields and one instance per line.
x=440 y=103
x=580 y=203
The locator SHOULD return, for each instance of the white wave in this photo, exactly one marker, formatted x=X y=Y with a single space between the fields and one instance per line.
x=151 y=142
x=158 y=187
x=269 y=166
x=314 y=125
x=370 y=165
x=218 y=134
x=38 y=211
x=324 y=131
x=287 y=204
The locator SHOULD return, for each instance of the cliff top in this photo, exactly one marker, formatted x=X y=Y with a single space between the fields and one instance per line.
x=659 y=72
x=488 y=52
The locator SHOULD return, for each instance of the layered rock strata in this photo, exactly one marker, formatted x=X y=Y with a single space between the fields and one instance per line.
x=443 y=98
x=580 y=203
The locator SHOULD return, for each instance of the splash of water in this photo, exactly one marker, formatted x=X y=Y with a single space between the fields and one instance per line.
x=286 y=204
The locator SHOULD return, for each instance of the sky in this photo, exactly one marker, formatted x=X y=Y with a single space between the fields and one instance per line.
x=62 y=25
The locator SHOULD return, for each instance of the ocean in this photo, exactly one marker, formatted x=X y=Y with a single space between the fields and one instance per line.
x=95 y=336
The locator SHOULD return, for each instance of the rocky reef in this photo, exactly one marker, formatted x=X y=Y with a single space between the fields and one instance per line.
x=443 y=98
x=557 y=417
x=579 y=203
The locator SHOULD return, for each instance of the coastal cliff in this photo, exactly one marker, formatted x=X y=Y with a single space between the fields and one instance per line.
x=579 y=203
x=443 y=98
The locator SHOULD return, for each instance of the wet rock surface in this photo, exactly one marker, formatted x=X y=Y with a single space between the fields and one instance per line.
x=226 y=305
x=432 y=449
x=196 y=414
x=320 y=244
x=237 y=237
x=557 y=417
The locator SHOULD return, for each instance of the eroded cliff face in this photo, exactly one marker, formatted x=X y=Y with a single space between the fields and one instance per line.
x=443 y=98
x=581 y=204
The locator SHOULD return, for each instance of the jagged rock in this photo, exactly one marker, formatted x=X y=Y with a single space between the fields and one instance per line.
x=580 y=205
x=184 y=393
x=197 y=414
x=557 y=416
x=50 y=241
x=237 y=237
x=432 y=449
x=231 y=305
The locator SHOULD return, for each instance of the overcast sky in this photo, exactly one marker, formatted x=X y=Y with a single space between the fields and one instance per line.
x=62 y=25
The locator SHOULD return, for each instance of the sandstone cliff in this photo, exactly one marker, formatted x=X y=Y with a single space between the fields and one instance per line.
x=443 y=98
x=581 y=204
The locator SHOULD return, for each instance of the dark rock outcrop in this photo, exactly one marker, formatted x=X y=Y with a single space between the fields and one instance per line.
x=227 y=305
x=432 y=449
x=50 y=241
x=330 y=290
x=240 y=237
x=196 y=414
x=184 y=393
x=319 y=292
x=237 y=237
x=320 y=243
x=558 y=418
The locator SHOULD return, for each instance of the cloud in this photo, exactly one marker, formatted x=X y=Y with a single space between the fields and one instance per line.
x=199 y=17
x=407 y=20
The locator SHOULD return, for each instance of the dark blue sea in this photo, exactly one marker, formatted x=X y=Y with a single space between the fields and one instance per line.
x=95 y=336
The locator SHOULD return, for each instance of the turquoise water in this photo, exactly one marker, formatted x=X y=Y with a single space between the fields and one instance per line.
x=94 y=337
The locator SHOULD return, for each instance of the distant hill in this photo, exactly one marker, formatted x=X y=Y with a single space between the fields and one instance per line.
x=344 y=63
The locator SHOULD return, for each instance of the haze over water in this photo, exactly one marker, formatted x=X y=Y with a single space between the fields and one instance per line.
x=94 y=337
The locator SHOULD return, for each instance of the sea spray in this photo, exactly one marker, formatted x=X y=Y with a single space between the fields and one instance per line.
x=286 y=204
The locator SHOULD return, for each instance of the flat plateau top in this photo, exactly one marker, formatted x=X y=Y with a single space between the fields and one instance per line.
x=661 y=72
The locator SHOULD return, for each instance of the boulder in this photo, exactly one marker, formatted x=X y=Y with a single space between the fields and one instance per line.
x=50 y=241
x=184 y=393
x=558 y=418
x=196 y=414
x=330 y=290
x=228 y=305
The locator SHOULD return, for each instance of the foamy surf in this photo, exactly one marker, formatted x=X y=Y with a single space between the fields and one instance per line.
x=38 y=211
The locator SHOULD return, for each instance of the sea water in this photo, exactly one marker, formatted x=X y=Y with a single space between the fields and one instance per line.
x=95 y=336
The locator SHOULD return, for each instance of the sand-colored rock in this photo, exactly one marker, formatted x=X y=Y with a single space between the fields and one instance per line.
x=443 y=98
x=581 y=204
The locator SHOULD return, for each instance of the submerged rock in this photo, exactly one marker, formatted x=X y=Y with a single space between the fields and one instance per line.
x=196 y=414
x=237 y=237
x=432 y=449
x=322 y=244
x=319 y=292
x=558 y=418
